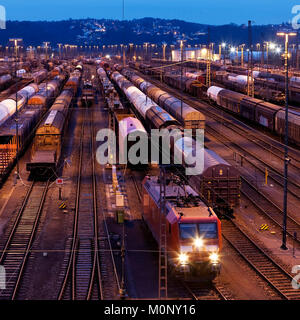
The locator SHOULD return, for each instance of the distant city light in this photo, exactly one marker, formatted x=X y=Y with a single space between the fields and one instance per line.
x=204 y=51
x=277 y=50
x=272 y=46
x=232 y=49
x=223 y=45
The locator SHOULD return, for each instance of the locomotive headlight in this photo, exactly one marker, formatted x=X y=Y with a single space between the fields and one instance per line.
x=183 y=258
x=198 y=242
x=214 y=258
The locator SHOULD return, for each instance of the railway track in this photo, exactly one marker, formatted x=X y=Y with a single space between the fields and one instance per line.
x=260 y=261
x=138 y=190
x=16 y=251
x=255 y=162
x=206 y=292
x=269 y=208
x=83 y=268
x=87 y=276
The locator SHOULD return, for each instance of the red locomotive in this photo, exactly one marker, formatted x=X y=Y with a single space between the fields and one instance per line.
x=193 y=230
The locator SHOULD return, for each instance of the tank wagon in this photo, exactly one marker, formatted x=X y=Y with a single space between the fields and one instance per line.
x=128 y=125
x=39 y=76
x=73 y=82
x=8 y=106
x=187 y=116
x=47 y=92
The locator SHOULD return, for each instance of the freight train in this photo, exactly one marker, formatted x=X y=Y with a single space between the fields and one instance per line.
x=218 y=182
x=187 y=116
x=47 y=145
x=268 y=86
x=193 y=86
x=239 y=83
x=47 y=92
x=111 y=96
x=74 y=81
x=29 y=117
x=265 y=114
x=261 y=112
x=193 y=230
x=39 y=76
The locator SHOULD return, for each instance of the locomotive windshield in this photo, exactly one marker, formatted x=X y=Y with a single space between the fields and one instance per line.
x=202 y=230
x=208 y=230
x=188 y=230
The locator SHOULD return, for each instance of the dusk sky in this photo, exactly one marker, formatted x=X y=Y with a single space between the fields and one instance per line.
x=202 y=11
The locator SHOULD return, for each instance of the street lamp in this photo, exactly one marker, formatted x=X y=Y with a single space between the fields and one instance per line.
x=286 y=140
x=181 y=72
x=46 y=46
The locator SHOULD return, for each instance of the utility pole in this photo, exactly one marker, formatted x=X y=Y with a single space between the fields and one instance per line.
x=123 y=16
x=181 y=74
x=286 y=139
x=242 y=55
x=262 y=61
x=297 y=51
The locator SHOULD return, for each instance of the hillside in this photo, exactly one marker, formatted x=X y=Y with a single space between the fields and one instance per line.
x=94 y=31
